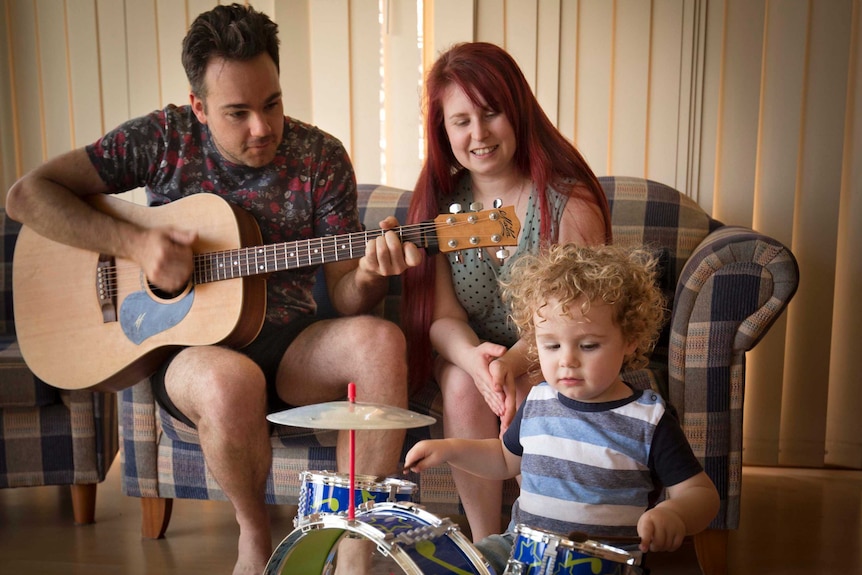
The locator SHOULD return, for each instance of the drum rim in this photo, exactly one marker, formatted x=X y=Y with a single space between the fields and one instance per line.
x=367 y=482
x=593 y=548
x=346 y=526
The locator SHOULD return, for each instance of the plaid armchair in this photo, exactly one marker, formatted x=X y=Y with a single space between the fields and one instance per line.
x=726 y=285
x=48 y=436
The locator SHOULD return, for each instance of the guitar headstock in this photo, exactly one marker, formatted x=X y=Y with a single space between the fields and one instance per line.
x=496 y=227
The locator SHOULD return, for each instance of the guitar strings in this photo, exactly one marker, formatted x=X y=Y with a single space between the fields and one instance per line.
x=306 y=252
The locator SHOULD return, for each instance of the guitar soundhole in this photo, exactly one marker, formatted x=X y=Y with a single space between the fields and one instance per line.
x=166 y=295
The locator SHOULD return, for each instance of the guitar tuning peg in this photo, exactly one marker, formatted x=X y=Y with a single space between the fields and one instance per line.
x=498 y=203
x=480 y=254
x=502 y=254
x=458 y=259
x=476 y=207
x=455 y=209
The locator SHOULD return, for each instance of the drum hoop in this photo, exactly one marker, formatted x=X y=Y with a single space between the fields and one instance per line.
x=338 y=522
x=366 y=482
x=589 y=547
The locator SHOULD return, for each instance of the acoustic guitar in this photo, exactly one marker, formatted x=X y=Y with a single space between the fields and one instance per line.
x=87 y=320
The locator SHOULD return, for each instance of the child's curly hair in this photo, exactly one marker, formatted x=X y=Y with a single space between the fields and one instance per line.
x=622 y=277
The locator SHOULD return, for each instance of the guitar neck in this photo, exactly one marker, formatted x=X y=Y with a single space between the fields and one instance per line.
x=250 y=261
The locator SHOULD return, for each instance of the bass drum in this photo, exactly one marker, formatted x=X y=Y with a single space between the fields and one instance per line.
x=395 y=537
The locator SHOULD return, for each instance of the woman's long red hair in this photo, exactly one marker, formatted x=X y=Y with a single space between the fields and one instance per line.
x=491 y=78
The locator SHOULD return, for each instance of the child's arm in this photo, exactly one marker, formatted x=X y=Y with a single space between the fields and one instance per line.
x=688 y=509
x=486 y=458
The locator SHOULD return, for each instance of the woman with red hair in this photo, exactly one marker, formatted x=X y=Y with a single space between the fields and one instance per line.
x=487 y=139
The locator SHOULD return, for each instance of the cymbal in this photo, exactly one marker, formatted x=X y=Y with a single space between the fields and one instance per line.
x=350 y=415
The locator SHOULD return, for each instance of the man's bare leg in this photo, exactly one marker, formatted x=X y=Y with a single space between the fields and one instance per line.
x=371 y=353
x=224 y=394
x=365 y=350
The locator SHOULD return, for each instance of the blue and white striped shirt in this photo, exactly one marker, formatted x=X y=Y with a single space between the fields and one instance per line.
x=589 y=467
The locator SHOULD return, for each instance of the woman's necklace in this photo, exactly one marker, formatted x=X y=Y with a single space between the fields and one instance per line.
x=514 y=196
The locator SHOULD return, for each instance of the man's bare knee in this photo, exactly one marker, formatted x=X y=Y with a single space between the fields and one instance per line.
x=216 y=383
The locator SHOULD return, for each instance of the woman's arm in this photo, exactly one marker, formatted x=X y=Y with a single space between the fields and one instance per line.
x=582 y=223
x=456 y=342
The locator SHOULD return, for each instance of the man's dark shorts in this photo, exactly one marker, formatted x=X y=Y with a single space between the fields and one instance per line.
x=266 y=351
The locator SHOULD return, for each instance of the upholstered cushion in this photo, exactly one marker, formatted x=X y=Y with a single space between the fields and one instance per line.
x=648 y=213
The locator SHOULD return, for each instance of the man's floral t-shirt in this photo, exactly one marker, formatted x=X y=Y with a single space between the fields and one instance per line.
x=307 y=191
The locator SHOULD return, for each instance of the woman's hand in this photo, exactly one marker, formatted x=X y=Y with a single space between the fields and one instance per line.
x=503 y=378
x=488 y=383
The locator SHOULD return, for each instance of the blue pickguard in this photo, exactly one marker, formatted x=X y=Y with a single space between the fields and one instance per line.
x=142 y=317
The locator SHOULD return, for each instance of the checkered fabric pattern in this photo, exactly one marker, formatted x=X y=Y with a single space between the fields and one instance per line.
x=726 y=286
x=47 y=436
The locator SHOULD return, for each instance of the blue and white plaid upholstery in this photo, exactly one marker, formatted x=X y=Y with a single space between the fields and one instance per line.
x=47 y=436
x=726 y=285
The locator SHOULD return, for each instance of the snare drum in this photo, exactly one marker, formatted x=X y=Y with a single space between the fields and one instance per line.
x=404 y=538
x=329 y=492
x=537 y=552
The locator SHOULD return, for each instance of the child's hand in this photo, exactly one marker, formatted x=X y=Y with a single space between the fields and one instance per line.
x=661 y=530
x=423 y=455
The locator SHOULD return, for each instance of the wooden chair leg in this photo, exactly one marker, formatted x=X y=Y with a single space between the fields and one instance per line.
x=711 y=549
x=156 y=514
x=84 y=503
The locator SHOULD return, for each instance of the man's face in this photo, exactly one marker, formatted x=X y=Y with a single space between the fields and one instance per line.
x=243 y=109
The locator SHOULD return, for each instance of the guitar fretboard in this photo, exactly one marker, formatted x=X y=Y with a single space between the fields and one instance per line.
x=244 y=262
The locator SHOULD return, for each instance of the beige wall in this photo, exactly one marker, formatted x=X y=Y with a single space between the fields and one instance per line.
x=752 y=107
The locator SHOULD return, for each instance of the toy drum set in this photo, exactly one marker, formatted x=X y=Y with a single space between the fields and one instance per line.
x=350 y=517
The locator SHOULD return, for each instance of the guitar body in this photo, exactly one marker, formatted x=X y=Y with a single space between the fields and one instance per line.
x=71 y=339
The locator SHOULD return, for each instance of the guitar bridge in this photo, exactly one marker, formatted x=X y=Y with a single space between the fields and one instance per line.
x=106 y=287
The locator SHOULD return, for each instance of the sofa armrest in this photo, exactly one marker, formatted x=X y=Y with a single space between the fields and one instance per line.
x=140 y=435
x=731 y=290
x=93 y=428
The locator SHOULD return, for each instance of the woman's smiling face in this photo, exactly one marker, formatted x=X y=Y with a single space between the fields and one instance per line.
x=482 y=140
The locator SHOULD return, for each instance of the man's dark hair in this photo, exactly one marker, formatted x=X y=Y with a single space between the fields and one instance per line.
x=234 y=32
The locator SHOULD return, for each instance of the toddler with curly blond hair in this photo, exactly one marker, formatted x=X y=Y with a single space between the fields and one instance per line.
x=594 y=453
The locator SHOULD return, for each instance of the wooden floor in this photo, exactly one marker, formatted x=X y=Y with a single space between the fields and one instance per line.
x=793 y=522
